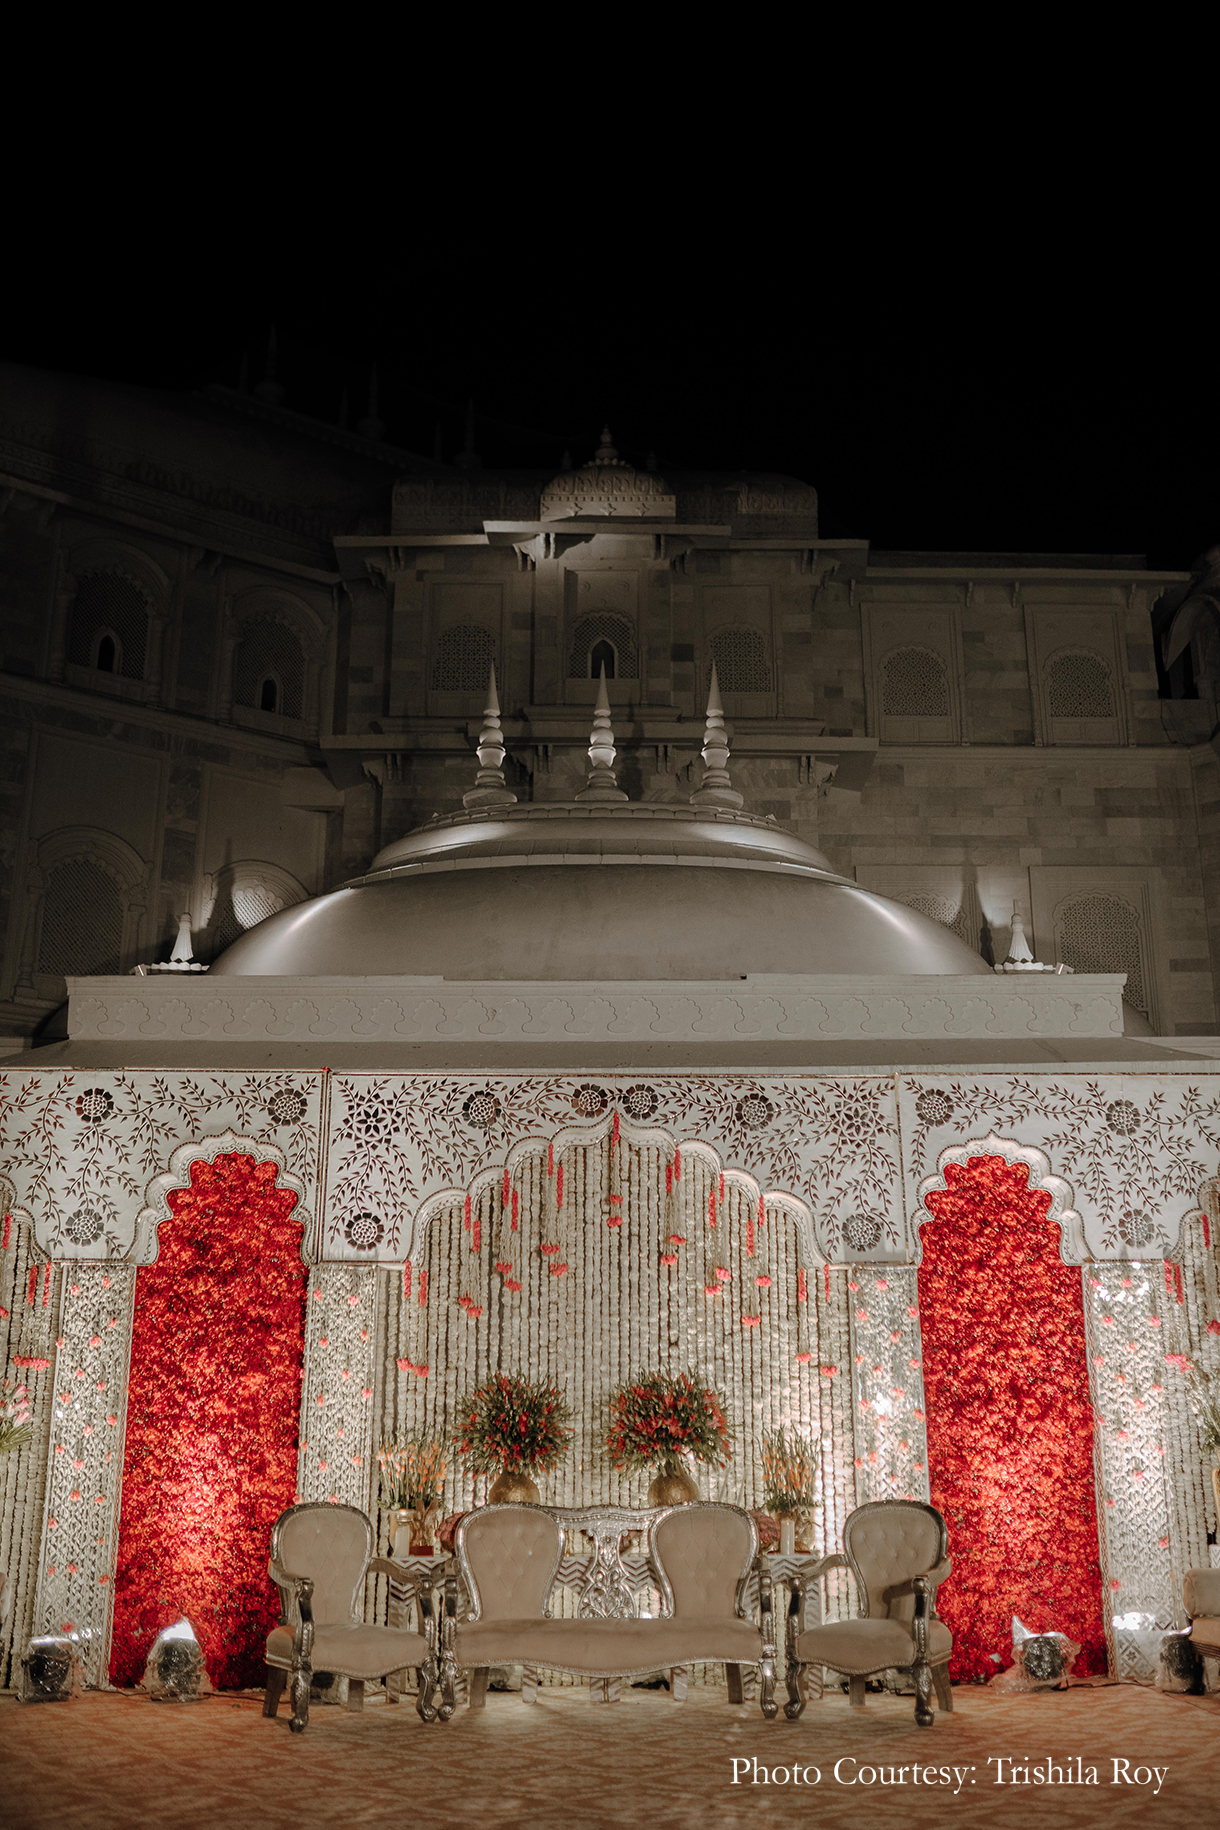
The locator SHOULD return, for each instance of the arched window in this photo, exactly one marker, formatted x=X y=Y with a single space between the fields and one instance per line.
x=741 y=661
x=463 y=659
x=949 y=914
x=269 y=694
x=244 y=894
x=109 y=606
x=1102 y=934
x=603 y=636
x=82 y=921
x=269 y=651
x=1078 y=686
x=914 y=684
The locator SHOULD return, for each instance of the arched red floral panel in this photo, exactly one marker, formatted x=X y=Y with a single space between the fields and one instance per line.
x=1010 y=1421
x=212 y=1415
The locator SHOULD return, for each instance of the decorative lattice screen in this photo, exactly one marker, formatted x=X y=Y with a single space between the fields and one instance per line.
x=602 y=626
x=109 y=601
x=1078 y=686
x=82 y=921
x=1102 y=934
x=267 y=647
x=914 y=685
x=741 y=661
x=939 y=908
x=464 y=655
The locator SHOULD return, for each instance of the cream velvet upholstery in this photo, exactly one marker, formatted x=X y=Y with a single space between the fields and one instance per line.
x=356 y=1650
x=593 y=1648
x=897 y=1551
x=887 y=1544
x=859 y=1647
x=509 y=1556
x=332 y=1545
x=1201 y=1592
x=320 y=1556
x=703 y=1552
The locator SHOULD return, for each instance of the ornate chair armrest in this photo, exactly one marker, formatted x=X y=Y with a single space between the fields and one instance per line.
x=925 y=1584
x=402 y=1579
x=816 y=1568
x=298 y=1590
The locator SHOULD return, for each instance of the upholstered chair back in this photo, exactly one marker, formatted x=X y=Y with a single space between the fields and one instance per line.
x=332 y=1544
x=889 y=1541
x=1201 y=1593
x=703 y=1550
x=509 y=1555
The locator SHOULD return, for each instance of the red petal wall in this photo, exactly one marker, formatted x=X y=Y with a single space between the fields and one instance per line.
x=214 y=1399
x=1010 y=1421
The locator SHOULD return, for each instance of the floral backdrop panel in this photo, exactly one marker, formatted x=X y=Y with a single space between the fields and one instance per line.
x=81 y=1149
x=1134 y=1148
x=398 y=1145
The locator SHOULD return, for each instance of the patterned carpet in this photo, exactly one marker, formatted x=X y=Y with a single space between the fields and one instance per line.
x=116 y=1761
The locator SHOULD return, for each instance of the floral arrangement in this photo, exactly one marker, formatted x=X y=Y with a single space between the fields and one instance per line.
x=1009 y=1419
x=789 y=1462
x=1205 y=1401
x=15 y=1426
x=660 y=1418
x=411 y=1471
x=514 y=1424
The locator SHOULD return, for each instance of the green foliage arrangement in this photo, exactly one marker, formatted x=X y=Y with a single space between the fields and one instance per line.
x=411 y=1471
x=1205 y=1400
x=658 y=1419
x=789 y=1468
x=514 y=1424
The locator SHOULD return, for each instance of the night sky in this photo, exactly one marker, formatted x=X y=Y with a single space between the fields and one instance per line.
x=938 y=399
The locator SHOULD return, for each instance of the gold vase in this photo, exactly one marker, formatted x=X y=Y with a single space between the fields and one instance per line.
x=1216 y=1486
x=512 y=1488
x=673 y=1488
x=423 y=1529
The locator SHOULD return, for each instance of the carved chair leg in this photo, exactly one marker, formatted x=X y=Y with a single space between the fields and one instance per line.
x=766 y=1687
x=355 y=1695
x=924 y=1717
x=677 y=1683
x=944 y=1692
x=276 y=1679
x=855 y=1692
x=733 y=1674
x=300 y=1699
x=794 y=1676
x=479 y=1680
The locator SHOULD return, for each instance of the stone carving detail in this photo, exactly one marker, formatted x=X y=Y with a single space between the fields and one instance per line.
x=817 y=1009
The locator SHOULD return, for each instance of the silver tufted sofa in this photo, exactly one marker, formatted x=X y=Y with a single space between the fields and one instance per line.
x=702 y=1556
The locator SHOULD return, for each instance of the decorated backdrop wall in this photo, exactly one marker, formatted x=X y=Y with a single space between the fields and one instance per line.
x=809 y=1191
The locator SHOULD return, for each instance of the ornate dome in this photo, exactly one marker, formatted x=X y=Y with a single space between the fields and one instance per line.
x=606 y=486
x=596 y=891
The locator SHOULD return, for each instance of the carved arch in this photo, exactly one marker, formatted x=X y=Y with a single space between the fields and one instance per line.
x=101 y=555
x=156 y=1210
x=280 y=606
x=262 y=604
x=1073 y=1247
x=775 y=1201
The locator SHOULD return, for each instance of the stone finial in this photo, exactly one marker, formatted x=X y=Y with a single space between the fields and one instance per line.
x=715 y=790
x=489 y=786
x=605 y=453
x=183 y=952
x=601 y=785
x=1018 y=947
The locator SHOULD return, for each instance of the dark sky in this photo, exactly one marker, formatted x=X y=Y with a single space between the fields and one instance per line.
x=1047 y=400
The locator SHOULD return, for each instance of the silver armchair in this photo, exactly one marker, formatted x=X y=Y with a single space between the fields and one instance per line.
x=897 y=1550
x=320 y=1556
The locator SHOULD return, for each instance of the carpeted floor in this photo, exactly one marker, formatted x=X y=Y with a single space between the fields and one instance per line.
x=116 y=1761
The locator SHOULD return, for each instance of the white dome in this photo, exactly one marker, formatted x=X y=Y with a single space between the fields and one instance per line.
x=591 y=892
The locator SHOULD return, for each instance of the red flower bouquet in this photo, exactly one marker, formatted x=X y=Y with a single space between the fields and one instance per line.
x=514 y=1425
x=659 y=1419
